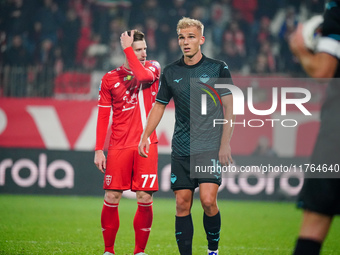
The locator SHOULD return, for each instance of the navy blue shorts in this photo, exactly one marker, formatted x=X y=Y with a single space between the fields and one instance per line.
x=184 y=170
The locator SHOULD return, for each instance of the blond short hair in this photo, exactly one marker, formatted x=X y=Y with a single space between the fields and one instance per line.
x=188 y=22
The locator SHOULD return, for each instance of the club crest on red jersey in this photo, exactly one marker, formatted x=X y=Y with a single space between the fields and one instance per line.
x=108 y=179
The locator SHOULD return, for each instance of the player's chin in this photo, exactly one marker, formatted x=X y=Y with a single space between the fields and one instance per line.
x=142 y=62
x=188 y=55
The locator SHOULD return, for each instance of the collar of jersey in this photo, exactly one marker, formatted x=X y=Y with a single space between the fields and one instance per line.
x=127 y=70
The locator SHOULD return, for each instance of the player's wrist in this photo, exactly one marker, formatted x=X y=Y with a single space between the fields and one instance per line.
x=127 y=49
x=143 y=139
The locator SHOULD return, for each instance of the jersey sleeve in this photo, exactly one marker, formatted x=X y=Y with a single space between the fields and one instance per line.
x=145 y=74
x=102 y=124
x=330 y=30
x=105 y=97
x=104 y=110
x=226 y=76
x=164 y=94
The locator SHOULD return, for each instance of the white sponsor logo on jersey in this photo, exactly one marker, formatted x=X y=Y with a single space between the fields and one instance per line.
x=130 y=100
x=117 y=84
x=127 y=109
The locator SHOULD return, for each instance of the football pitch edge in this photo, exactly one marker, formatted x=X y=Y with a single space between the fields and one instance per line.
x=71 y=225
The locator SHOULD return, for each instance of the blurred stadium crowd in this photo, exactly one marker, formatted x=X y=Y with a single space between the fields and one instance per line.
x=40 y=40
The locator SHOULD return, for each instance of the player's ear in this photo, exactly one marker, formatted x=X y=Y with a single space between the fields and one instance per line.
x=202 y=40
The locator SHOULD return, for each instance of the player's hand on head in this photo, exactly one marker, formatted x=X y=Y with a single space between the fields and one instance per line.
x=126 y=40
x=143 y=148
x=100 y=160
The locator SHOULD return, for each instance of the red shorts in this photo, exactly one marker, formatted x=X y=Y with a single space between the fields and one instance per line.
x=126 y=169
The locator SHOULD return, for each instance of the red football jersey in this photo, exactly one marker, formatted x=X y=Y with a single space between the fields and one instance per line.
x=130 y=100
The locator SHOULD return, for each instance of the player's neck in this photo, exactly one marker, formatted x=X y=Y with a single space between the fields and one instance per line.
x=194 y=59
x=126 y=65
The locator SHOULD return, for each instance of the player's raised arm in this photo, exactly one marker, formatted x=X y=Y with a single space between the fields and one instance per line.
x=136 y=57
x=317 y=65
x=153 y=120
